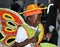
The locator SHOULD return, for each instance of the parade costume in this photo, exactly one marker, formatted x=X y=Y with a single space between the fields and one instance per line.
x=28 y=31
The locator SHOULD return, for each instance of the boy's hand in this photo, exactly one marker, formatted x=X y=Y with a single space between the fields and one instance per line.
x=34 y=39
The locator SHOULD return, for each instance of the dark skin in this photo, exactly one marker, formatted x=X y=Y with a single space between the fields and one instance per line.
x=32 y=21
x=27 y=41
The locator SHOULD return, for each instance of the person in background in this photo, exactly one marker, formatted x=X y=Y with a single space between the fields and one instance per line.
x=51 y=24
x=17 y=6
x=53 y=13
x=58 y=21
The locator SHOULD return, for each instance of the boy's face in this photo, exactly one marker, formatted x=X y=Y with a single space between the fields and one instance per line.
x=34 y=20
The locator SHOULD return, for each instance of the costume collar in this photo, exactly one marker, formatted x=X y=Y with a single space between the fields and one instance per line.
x=35 y=28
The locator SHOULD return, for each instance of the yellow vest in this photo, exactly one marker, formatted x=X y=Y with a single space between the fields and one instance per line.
x=30 y=32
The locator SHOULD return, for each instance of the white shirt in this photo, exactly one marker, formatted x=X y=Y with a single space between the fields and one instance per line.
x=22 y=35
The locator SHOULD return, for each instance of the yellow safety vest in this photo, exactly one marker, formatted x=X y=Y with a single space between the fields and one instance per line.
x=30 y=32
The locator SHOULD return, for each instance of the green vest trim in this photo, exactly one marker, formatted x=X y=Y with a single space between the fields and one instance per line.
x=31 y=32
x=47 y=45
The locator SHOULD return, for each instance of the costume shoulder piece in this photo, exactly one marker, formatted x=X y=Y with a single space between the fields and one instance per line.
x=8 y=25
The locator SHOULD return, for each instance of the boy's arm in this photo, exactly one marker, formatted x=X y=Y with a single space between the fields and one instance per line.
x=27 y=41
